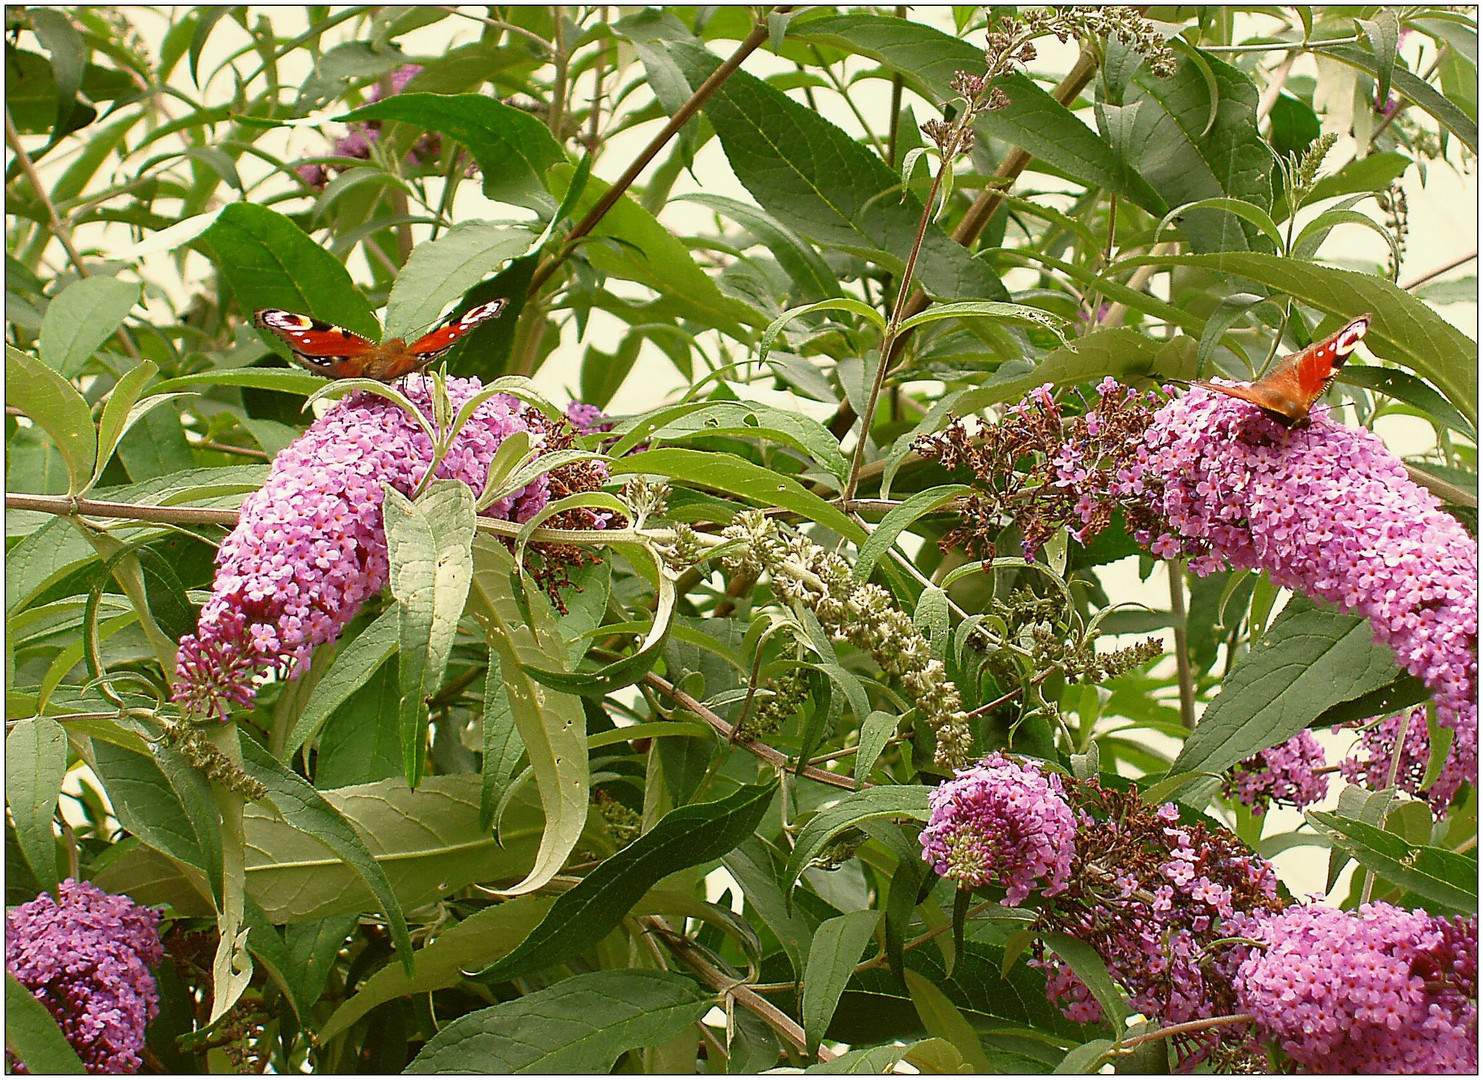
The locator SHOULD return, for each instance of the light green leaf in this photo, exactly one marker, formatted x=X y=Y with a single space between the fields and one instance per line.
x=836 y=950
x=35 y=764
x=81 y=318
x=898 y=519
x=687 y=836
x=875 y=733
x=838 y=303
x=513 y=148
x=352 y=666
x=994 y=312
x=551 y=723
x=443 y=269
x=429 y=546
x=54 y=404
x=580 y=1025
x=904 y=800
x=944 y=1020
x=308 y=811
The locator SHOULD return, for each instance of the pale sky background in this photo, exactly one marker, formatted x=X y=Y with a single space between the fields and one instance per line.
x=1443 y=228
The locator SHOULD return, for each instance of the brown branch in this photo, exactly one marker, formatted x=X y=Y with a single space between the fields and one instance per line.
x=680 y=119
x=776 y=758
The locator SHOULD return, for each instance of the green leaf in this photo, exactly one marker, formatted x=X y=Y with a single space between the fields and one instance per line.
x=881 y=1060
x=875 y=732
x=816 y=179
x=440 y=270
x=739 y=477
x=427 y=842
x=944 y=1020
x=838 y=303
x=308 y=811
x=747 y=419
x=796 y=256
x=1403 y=386
x=269 y=262
x=898 y=519
x=1086 y=1058
x=353 y=665
x=580 y=1025
x=282 y=380
x=513 y=148
x=81 y=318
x=551 y=723
x=903 y=800
x=1403 y=329
x=1416 y=90
x=1242 y=209
x=34 y=1036
x=1162 y=128
x=149 y=806
x=502 y=744
x=1309 y=660
x=927 y=59
x=836 y=950
x=122 y=410
x=994 y=312
x=35 y=765
x=687 y=836
x=1445 y=878
x=56 y=406
x=483 y=936
x=429 y=546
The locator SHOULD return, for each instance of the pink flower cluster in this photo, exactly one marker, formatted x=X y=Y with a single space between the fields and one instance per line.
x=1285 y=775
x=1378 y=990
x=1169 y=887
x=1000 y=819
x=86 y=956
x=1329 y=511
x=309 y=547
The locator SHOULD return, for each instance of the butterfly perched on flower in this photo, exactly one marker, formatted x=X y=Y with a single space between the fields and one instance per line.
x=326 y=349
x=1288 y=391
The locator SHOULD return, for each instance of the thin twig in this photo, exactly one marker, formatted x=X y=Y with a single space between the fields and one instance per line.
x=1453 y=265
x=1186 y=1028
x=772 y=756
x=58 y=228
x=679 y=120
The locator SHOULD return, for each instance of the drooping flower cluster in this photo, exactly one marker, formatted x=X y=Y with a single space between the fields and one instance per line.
x=364 y=134
x=1378 y=990
x=309 y=548
x=1002 y=821
x=1329 y=511
x=86 y=956
x=1284 y=775
x=1152 y=895
x=1324 y=509
x=805 y=574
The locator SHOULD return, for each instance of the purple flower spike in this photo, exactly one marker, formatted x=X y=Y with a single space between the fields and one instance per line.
x=1329 y=511
x=1005 y=820
x=1285 y=775
x=86 y=956
x=309 y=547
x=1379 y=990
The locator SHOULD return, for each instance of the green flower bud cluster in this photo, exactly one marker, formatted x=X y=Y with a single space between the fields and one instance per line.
x=207 y=759
x=808 y=577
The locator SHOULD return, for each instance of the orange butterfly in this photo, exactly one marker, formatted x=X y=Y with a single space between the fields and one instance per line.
x=1288 y=391
x=326 y=349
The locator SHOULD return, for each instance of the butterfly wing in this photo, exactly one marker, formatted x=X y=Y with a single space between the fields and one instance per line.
x=438 y=341
x=322 y=347
x=1288 y=391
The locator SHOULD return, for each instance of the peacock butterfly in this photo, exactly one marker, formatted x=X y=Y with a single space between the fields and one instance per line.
x=1288 y=391
x=331 y=350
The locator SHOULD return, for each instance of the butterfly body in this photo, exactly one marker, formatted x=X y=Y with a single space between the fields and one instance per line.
x=333 y=351
x=1288 y=391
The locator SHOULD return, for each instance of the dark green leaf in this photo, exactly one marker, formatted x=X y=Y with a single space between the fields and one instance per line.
x=1445 y=878
x=905 y=800
x=1309 y=660
x=306 y=810
x=269 y=262
x=836 y=950
x=688 y=836
x=580 y=1025
x=513 y=148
